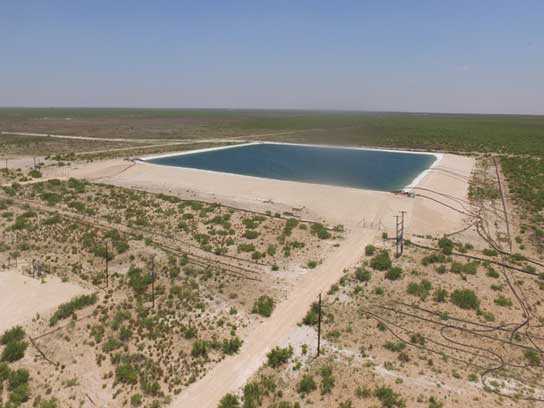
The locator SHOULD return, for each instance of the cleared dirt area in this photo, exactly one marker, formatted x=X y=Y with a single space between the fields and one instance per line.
x=22 y=297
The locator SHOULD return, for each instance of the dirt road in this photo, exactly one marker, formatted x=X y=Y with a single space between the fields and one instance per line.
x=234 y=371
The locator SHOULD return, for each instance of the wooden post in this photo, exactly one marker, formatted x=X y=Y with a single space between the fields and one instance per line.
x=107 y=269
x=402 y=234
x=153 y=280
x=319 y=327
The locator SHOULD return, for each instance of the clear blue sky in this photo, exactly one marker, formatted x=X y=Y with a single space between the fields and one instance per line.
x=433 y=56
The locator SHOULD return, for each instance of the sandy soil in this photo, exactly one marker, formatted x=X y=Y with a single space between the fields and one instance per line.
x=22 y=297
x=364 y=213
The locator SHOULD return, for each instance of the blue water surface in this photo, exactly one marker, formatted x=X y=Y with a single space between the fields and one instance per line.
x=367 y=169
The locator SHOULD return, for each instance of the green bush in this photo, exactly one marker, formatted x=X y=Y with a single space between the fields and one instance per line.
x=278 y=356
x=440 y=295
x=327 y=380
x=229 y=401
x=136 y=400
x=503 y=301
x=370 y=250
x=388 y=397
x=533 y=357
x=381 y=261
x=320 y=231
x=312 y=316
x=396 y=346
x=231 y=346
x=67 y=309
x=432 y=259
x=49 y=403
x=362 y=274
x=311 y=264
x=200 y=348
x=251 y=234
x=465 y=299
x=264 y=306
x=14 y=350
x=393 y=273
x=489 y=252
x=446 y=245
x=19 y=395
x=421 y=289
x=18 y=378
x=126 y=373
x=306 y=385
x=16 y=333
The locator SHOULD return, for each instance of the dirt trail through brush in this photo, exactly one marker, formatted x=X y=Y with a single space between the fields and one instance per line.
x=233 y=372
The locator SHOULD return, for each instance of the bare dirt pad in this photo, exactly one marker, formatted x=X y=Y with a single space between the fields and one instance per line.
x=22 y=297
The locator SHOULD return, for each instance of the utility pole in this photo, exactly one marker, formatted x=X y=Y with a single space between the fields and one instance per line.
x=397 y=237
x=107 y=269
x=153 y=279
x=402 y=233
x=319 y=327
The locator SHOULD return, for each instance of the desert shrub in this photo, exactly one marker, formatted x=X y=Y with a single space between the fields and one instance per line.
x=465 y=299
x=231 y=346
x=136 y=400
x=199 y=349
x=253 y=395
x=67 y=309
x=278 y=356
x=137 y=280
x=393 y=273
x=306 y=385
x=14 y=350
x=446 y=245
x=533 y=357
x=417 y=339
x=327 y=380
x=17 y=378
x=271 y=250
x=432 y=259
x=362 y=274
x=470 y=268
x=35 y=173
x=50 y=198
x=381 y=261
x=421 y=289
x=492 y=273
x=395 y=346
x=489 y=252
x=503 y=301
x=264 y=306
x=49 y=403
x=126 y=373
x=370 y=250
x=440 y=295
x=251 y=234
x=311 y=264
x=110 y=345
x=388 y=397
x=19 y=395
x=312 y=316
x=4 y=372
x=16 y=333
x=320 y=231
x=229 y=401
x=246 y=248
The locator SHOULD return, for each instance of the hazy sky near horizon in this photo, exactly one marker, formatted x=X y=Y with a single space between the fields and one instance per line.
x=484 y=56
